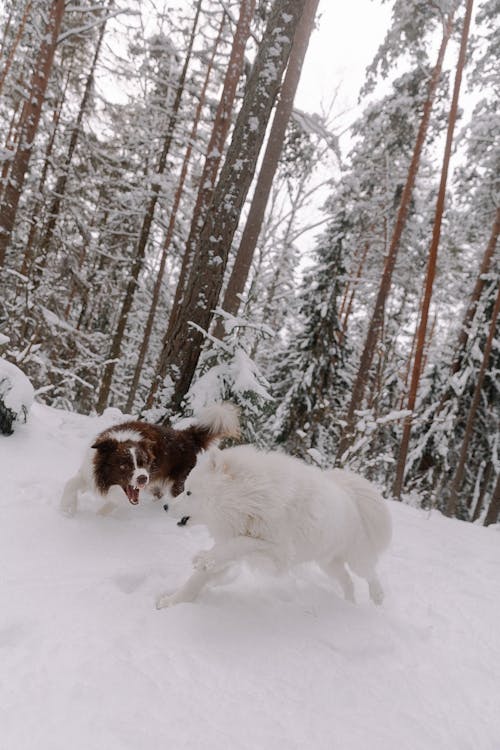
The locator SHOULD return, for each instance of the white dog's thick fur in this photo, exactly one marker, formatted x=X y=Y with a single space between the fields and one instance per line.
x=271 y=505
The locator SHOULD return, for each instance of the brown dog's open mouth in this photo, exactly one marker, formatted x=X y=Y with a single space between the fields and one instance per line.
x=132 y=494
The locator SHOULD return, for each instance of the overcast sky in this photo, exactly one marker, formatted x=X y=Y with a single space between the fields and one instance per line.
x=344 y=43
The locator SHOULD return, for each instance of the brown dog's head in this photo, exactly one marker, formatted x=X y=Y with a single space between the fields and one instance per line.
x=127 y=463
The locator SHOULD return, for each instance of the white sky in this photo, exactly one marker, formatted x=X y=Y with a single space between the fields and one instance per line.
x=340 y=49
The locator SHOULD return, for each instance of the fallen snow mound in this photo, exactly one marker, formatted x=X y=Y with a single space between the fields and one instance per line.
x=16 y=396
x=257 y=664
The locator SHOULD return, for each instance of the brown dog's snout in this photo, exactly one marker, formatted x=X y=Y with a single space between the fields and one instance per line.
x=142 y=480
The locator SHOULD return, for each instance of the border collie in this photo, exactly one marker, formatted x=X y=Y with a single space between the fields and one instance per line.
x=271 y=507
x=128 y=457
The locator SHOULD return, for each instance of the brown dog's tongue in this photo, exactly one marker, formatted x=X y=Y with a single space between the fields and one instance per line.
x=133 y=494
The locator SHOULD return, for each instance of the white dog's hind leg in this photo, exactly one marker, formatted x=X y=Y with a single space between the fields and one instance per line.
x=69 y=499
x=337 y=569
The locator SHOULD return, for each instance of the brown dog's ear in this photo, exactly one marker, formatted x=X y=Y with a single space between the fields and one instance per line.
x=103 y=444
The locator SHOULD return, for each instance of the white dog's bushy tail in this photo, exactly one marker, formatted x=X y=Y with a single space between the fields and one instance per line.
x=371 y=507
x=221 y=420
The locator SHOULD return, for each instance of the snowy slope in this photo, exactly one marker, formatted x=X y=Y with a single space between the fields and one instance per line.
x=86 y=662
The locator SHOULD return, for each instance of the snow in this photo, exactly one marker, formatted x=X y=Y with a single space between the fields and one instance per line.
x=16 y=390
x=275 y=664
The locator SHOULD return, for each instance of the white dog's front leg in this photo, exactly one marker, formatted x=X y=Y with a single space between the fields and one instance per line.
x=114 y=499
x=69 y=499
x=235 y=549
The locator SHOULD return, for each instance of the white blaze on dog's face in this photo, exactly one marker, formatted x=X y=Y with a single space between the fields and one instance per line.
x=196 y=505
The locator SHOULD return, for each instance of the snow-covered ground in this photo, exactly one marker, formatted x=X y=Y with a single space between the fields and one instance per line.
x=86 y=662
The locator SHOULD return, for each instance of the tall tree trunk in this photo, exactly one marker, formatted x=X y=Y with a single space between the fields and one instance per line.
x=12 y=51
x=220 y=130
x=171 y=226
x=137 y=264
x=204 y=284
x=451 y=504
x=250 y=236
x=30 y=119
x=377 y=319
x=432 y=260
x=60 y=187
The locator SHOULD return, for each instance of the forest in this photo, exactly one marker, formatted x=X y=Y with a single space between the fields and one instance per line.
x=160 y=246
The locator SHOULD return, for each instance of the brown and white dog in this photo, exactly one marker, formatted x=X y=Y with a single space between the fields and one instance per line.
x=134 y=455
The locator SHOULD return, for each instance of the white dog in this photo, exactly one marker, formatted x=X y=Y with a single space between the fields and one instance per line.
x=270 y=505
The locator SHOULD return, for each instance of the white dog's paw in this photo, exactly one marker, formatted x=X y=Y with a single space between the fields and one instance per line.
x=376 y=592
x=68 y=509
x=166 y=600
x=204 y=561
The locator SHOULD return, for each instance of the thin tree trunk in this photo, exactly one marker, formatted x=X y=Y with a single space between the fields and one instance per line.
x=493 y=513
x=60 y=187
x=451 y=504
x=6 y=31
x=253 y=225
x=137 y=264
x=476 y=293
x=432 y=260
x=12 y=51
x=10 y=143
x=204 y=284
x=30 y=119
x=377 y=318
x=485 y=480
x=171 y=226
x=220 y=130
x=28 y=252
x=345 y=314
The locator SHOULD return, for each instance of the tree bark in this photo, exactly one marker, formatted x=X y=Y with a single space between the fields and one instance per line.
x=432 y=260
x=272 y=153
x=137 y=264
x=377 y=319
x=182 y=351
x=30 y=119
